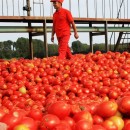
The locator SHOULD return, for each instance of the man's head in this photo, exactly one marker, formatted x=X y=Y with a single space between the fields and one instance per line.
x=57 y=3
x=61 y=1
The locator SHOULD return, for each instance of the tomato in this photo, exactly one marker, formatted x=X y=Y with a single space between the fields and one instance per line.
x=97 y=119
x=62 y=126
x=124 y=104
x=126 y=124
x=107 y=109
x=70 y=121
x=12 y=119
x=109 y=125
x=98 y=127
x=36 y=114
x=3 y=126
x=118 y=121
x=75 y=109
x=29 y=123
x=49 y=121
x=2 y=112
x=83 y=125
x=60 y=109
x=21 y=127
x=83 y=115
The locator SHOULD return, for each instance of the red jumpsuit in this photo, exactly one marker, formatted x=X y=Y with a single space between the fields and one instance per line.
x=62 y=20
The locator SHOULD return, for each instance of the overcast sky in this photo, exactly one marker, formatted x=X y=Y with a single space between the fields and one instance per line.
x=79 y=8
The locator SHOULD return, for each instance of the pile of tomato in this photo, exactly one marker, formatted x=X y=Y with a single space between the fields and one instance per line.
x=87 y=92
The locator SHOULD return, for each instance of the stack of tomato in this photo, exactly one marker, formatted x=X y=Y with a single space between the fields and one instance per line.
x=88 y=92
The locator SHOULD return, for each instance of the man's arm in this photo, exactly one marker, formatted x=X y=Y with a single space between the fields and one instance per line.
x=75 y=30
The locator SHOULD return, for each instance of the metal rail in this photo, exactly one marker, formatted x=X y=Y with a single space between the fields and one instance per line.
x=39 y=29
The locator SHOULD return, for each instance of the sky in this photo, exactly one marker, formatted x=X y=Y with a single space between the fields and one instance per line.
x=78 y=8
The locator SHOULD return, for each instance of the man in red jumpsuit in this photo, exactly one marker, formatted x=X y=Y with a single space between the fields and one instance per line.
x=62 y=22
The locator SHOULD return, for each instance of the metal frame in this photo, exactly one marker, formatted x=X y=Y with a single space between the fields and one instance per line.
x=43 y=30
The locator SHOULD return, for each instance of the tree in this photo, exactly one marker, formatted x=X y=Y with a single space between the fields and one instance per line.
x=38 y=48
x=6 y=49
x=76 y=46
x=22 y=47
x=52 y=49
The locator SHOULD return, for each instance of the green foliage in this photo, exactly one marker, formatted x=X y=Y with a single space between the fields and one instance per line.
x=5 y=49
x=100 y=47
x=21 y=48
x=38 y=48
x=52 y=49
x=76 y=46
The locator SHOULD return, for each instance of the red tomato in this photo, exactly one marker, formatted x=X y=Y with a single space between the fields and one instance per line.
x=36 y=114
x=97 y=119
x=12 y=119
x=60 y=109
x=107 y=109
x=126 y=124
x=83 y=125
x=75 y=109
x=21 y=127
x=124 y=104
x=62 y=126
x=98 y=127
x=83 y=115
x=70 y=121
x=2 y=112
x=49 y=121
x=28 y=122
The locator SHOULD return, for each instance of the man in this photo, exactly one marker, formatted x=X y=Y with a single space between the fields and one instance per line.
x=62 y=22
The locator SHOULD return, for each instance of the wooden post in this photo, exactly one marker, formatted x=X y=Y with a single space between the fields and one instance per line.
x=30 y=34
x=106 y=37
x=91 y=39
x=45 y=38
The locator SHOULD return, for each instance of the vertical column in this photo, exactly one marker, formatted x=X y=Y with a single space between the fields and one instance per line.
x=30 y=34
x=70 y=5
x=106 y=37
x=91 y=38
x=45 y=38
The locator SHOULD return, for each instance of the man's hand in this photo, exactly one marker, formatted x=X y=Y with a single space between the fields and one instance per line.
x=52 y=38
x=76 y=35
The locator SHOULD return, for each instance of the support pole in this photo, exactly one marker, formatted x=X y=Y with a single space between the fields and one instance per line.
x=91 y=39
x=106 y=37
x=30 y=34
x=45 y=38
